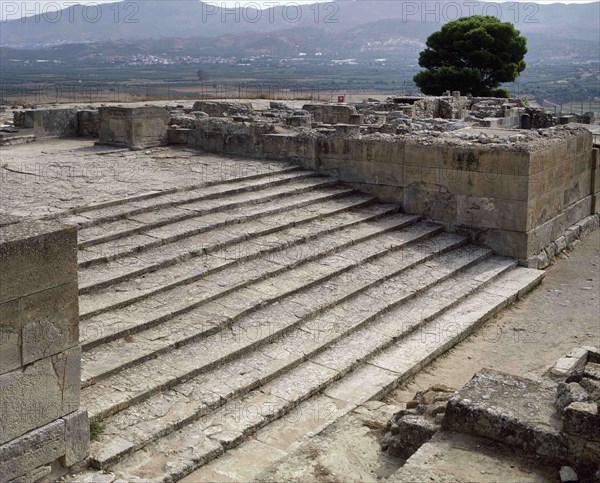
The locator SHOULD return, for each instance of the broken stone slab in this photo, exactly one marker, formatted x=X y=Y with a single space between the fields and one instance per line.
x=456 y=458
x=347 y=129
x=583 y=419
x=568 y=475
x=410 y=428
x=520 y=412
x=507 y=408
x=566 y=393
x=330 y=113
x=183 y=120
x=179 y=135
x=571 y=363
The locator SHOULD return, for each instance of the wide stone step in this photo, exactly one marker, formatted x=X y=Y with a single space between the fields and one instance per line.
x=90 y=215
x=182 y=312
x=310 y=336
x=133 y=266
x=288 y=247
x=171 y=457
x=164 y=234
x=131 y=385
x=133 y=224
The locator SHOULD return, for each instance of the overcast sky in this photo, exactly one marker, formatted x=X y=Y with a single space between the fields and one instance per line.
x=11 y=9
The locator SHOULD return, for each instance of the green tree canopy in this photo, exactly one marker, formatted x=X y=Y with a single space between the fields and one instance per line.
x=472 y=55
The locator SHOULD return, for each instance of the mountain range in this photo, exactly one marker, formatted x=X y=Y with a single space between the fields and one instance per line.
x=154 y=19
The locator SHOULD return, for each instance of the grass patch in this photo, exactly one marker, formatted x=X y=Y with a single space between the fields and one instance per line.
x=96 y=430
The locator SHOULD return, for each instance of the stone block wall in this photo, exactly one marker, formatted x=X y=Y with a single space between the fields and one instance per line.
x=42 y=429
x=48 y=123
x=513 y=197
x=332 y=113
x=562 y=189
x=54 y=122
x=133 y=127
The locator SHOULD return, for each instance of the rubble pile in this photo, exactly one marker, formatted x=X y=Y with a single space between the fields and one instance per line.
x=410 y=428
x=556 y=421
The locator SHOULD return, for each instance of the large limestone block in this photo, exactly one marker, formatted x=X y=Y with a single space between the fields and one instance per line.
x=431 y=201
x=487 y=212
x=330 y=113
x=77 y=437
x=32 y=450
x=133 y=127
x=36 y=256
x=506 y=242
x=50 y=322
x=39 y=393
x=10 y=336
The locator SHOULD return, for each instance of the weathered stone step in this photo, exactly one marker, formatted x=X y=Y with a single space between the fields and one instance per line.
x=368 y=382
x=8 y=140
x=90 y=215
x=180 y=316
x=101 y=276
x=164 y=234
x=301 y=343
x=228 y=426
x=133 y=224
x=291 y=247
x=131 y=385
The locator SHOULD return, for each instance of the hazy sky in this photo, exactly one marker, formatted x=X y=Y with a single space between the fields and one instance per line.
x=11 y=9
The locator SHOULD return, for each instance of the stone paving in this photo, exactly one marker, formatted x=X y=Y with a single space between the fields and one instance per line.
x=60 y=174
x=221 y=297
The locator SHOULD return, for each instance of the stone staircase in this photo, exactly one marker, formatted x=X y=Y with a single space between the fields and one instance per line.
x=213 y=314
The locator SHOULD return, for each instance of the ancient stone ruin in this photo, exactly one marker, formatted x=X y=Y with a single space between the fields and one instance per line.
x=555 y=422
x=188 y=282
x=42 y=427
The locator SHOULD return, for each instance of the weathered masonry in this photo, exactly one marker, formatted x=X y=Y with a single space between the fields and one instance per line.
x=515 y=199
x=42 y=428
x=492 y=169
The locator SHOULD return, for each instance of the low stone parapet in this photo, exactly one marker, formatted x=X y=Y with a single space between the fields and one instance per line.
x=42 y=428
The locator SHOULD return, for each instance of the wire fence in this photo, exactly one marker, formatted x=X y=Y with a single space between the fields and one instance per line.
x=41 y=93
x=80 y=92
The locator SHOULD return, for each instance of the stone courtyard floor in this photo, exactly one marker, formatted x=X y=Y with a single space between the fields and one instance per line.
x=40 y=179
